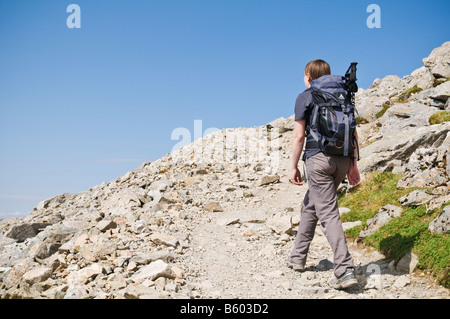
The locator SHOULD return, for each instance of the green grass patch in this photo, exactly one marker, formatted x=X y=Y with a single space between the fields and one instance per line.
x=362 y=120
x=385 y=106
x=439 y=117
x=406 y=95
x=367 y=198
x=403 y=234
x=439 y=81
x=415 y=89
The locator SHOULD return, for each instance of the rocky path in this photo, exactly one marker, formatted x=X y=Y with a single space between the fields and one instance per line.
x=237 y=254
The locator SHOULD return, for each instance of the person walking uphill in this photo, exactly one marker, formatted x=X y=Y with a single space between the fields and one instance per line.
x=324 y=170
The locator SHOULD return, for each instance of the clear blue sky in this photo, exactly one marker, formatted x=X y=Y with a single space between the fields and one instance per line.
x=83 y=106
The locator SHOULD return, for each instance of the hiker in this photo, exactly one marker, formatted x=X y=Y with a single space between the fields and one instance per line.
x=324 y=173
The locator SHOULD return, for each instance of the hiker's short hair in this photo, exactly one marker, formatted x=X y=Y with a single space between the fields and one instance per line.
x=317 y=68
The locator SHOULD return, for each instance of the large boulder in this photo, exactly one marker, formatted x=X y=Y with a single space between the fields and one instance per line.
x=427 y=167
x=415 y=198
x=23 y=231
x=422 y=78
x=438 y=62
x=53 y=202
x=404 y=116
x=371 y=101
x=393 y=151
x=441 y=92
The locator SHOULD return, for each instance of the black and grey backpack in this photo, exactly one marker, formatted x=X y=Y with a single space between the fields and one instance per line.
x=332 y=121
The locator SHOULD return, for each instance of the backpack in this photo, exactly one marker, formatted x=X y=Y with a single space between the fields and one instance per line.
x=332 y=121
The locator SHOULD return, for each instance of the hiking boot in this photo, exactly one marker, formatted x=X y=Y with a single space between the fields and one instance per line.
x=346 y=281
x=295 y=266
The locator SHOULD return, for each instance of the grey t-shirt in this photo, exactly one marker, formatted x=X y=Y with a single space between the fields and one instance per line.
x=303 y=107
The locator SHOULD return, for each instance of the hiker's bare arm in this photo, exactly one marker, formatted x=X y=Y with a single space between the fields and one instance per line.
x=297 y=148
x=353 y=171
x=298 y=142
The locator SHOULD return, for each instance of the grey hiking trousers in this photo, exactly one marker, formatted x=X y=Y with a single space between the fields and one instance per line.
x=324 y=174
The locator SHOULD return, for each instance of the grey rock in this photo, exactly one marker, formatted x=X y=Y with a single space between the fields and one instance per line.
x=282 y=125
x=76 y=292
x=213 y=206
x=56 y=292
x=53 y=202
x=66 y=248
x=123 y=200
x=145 y=258
x=268 y=179
x=280 y=223
x=441 y=224
x=350 y=225
x=227 y=221
x=153 y=271
x=82 y=276
x=105 y=225
x=45 y=250
x=24 y=231
x=402 y=281
x=162 y=185
x=164 y=239
x=442 y=92
x=37 y=275
x=407 y=264
x=398 y=148
x=171 y=287
x=438 y=61
x=423 y=179
x=139 y=227
x=141 y=292
x=421 y=78
x=4 y=269
x=405 y=116
x=383 y=216
x=415 y=198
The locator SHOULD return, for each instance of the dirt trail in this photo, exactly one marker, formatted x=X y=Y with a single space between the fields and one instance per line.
x=235 y=254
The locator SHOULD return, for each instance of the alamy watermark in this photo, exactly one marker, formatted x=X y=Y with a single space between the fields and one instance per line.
x=373 y=273
x=74 y=19
x=374 y=20
x=255 y=145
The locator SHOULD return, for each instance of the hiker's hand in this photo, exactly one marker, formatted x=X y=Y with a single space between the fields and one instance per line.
x=353 y=175
x=296 y=177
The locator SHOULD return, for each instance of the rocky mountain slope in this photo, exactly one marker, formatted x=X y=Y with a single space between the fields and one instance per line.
x=217 y=218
